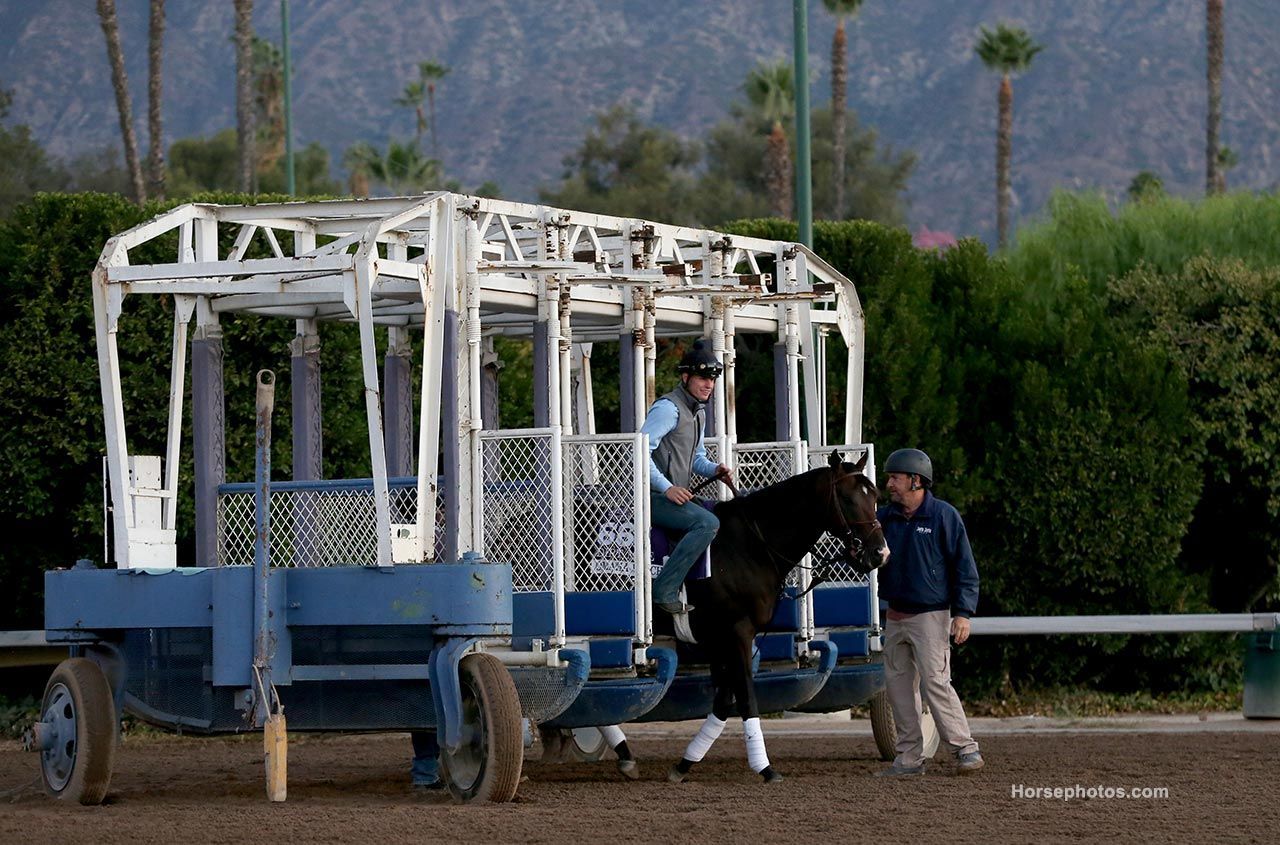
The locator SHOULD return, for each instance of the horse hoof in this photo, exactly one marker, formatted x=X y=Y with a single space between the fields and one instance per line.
x=630 y=769
x=674 y=775
x=770 y=776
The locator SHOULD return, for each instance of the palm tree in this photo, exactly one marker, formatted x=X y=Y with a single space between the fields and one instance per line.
x=1007 y=50
x=268 y=104
x=356 y=160
x=842 y=9
x=402 y=168
x=1215 y=177
x=412 y=99
x=771 y=91
x=246 y=137
x=431 y=73
x=155 y=124
x=120 y=81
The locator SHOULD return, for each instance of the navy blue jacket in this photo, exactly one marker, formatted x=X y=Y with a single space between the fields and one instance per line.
x=930 y=563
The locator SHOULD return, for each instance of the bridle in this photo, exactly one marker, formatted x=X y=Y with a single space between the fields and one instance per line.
x=855 y=546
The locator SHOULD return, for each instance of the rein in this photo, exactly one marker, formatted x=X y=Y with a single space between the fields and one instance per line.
x=704 y=483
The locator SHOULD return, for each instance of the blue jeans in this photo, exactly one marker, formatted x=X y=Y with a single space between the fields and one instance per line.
x=426 y=758
x=700 y=526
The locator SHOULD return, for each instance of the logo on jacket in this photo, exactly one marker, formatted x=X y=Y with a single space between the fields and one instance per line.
x=923 y=529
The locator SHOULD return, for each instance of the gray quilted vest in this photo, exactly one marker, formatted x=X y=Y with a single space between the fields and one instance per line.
x=674 y=455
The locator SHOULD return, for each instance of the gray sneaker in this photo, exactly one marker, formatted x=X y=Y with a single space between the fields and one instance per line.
x=896 y=771
x=970 y=762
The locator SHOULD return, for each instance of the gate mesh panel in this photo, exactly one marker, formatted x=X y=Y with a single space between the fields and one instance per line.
x=713 y=455
x=759 y=465
x=601 y=520
x=316 y=525
x=544 y=693
x=166 y=673
x=840 y=573
x=517 y=506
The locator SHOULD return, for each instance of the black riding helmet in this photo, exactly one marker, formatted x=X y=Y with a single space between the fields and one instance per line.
x=700 y=361
x=911 y=462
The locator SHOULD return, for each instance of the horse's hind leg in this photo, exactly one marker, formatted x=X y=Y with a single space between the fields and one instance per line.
x=745 y=692
x=618 y=742
x=711 y=728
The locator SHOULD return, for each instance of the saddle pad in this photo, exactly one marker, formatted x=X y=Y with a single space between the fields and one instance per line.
x=662 y=542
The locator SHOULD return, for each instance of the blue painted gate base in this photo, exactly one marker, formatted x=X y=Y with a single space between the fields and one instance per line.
x=691 y=695
x=613 y=701
x=848 y=686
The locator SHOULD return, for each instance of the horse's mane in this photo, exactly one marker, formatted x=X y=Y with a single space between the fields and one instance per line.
x=766 y=497
x=777 y=496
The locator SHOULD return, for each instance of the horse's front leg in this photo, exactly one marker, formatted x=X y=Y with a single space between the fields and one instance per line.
x=745 y=692
x=712 y=726
x=617 y=740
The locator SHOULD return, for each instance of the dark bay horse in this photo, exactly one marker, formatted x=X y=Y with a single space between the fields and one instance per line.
x=762 y=537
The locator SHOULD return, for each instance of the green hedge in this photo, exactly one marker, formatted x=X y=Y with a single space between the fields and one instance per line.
x=50 y=402
x=1099 y=403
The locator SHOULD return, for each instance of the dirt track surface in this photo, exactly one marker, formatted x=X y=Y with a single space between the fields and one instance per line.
x=1222 y=787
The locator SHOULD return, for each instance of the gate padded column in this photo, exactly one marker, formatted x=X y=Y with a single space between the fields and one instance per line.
x=307 y=413
x=626 y=383
x=781 y=394
x=208 y=415
x=397 y=404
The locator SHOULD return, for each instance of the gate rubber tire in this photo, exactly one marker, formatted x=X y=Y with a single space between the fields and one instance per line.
x=490 y=695
x=885 y=730
x=882 y=726
x=590 y=751
x=95 y=731
x=931 y=737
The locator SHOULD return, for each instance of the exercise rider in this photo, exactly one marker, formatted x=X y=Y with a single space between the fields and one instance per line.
x=675 y=425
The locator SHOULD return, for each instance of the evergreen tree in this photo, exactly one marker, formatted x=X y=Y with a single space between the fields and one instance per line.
x=626 y=167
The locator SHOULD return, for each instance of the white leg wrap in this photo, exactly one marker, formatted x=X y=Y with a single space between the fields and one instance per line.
x=706 y=737
x=613 y=735
x=757 y=758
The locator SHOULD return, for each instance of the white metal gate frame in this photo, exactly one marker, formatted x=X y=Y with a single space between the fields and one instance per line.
x=608 y=474
x=533 y=481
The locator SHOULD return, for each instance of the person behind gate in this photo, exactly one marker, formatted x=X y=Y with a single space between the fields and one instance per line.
x=931 y=585
x=675 y=425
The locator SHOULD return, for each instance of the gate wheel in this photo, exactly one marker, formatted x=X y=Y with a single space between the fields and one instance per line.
x=882 y=726
x=885 y=730
x=79 y=710
x=486 y=767
x=588 y=744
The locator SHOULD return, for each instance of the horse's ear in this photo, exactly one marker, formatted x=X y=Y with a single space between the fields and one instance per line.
x=834 y=460
x=862 y=462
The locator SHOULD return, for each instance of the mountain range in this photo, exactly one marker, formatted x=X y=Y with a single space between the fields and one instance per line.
x=1119 y=87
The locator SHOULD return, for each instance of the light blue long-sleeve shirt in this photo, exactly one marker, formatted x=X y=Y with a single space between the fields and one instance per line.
x=662 y=418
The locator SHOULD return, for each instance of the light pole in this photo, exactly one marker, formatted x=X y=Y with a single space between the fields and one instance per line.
x=288 y=100
x=804 y=192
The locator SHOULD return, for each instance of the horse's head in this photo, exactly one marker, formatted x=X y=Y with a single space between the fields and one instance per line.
x=854 y=521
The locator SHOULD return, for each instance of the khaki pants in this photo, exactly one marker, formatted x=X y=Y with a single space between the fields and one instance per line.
x=917 y=662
